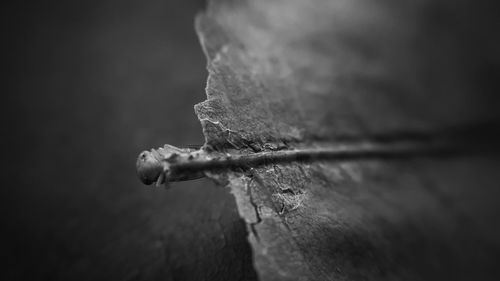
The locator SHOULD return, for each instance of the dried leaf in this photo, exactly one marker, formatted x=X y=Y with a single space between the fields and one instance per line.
x=304 y=74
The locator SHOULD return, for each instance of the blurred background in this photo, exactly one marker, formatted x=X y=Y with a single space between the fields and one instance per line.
x=88 y=85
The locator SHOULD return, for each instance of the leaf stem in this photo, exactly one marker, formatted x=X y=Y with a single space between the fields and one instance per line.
x=203 y=162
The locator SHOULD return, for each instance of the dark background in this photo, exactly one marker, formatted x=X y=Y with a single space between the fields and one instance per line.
x=87 y=86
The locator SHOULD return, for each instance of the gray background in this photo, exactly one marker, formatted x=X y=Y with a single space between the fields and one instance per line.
x=88 y=85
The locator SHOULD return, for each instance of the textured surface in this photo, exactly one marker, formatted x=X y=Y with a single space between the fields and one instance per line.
x=305 y=73
x=287 y=70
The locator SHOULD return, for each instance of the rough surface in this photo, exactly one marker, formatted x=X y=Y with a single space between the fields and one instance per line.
x=287 y=70
x=299 y=73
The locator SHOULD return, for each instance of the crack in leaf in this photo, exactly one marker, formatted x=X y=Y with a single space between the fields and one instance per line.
x=252 y=225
